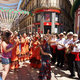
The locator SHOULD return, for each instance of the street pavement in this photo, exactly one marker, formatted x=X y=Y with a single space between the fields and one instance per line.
x=26 y=72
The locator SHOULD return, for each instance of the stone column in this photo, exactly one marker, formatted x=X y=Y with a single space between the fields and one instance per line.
x=42 y=23
x=53 y=23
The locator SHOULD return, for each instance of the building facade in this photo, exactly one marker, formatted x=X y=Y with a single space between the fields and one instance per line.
x=47 y=14
x=75 y=12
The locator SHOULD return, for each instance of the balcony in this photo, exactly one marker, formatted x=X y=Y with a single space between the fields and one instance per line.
x=46 y=4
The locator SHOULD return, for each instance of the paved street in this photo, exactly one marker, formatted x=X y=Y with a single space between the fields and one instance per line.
x=25 y=72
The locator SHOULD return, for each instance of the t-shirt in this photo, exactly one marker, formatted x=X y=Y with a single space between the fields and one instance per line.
x=53 y=40
x=60 y=41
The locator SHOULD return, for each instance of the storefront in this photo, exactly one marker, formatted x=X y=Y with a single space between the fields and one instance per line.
x=47 y=19
x=75 y=12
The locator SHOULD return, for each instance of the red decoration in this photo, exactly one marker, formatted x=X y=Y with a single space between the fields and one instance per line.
x=48 y=10
x=23 y=12
x=6 y=0
x=12 y=11
x=41 y=32
x=47 y=23
x=36 y=23
x=18 y=12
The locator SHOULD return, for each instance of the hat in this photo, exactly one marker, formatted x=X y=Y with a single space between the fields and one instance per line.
x=61 y=34
x=64 y=32
x=75 y=35
x=70 y=33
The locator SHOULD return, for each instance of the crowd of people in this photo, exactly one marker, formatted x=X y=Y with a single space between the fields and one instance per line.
x=42 y=51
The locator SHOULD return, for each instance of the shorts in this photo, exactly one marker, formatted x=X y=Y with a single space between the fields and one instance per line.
x=6 y=60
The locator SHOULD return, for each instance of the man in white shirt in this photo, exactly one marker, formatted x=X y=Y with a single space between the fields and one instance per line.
x=74 y=56
x=67 y=52
x=53 y=47
x=61 y=50
x=69 y=38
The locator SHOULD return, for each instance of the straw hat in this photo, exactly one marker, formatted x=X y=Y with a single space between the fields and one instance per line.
x=75 y=35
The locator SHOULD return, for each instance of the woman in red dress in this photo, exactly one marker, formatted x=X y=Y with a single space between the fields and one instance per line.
x=22 y=42
x=35 y=57
x=14 y=59
x=26 y=46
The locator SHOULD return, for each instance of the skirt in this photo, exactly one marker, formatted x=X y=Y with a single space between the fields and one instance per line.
x=45 y=70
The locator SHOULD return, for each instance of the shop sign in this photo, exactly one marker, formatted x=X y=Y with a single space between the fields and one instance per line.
x=47 y=23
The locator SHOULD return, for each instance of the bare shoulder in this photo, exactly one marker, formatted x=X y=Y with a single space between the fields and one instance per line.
x=4 y=43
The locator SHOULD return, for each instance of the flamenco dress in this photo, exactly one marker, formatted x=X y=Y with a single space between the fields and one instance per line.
x=35 y=57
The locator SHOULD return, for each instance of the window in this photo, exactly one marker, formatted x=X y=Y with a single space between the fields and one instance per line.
x=47 y=17
x=57 y=18
x=38 y=17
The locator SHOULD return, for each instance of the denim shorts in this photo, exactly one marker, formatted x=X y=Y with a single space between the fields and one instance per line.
x=6 y=60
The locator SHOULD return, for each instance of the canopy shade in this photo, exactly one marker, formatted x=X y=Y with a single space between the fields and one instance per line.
x=9 y=12
x=10 y=4
x=8 y=16
x=75 y=7
x=13 y=11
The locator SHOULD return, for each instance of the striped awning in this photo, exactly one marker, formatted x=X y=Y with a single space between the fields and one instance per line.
x=10 y=4
x=9 y=12
x=9 y=15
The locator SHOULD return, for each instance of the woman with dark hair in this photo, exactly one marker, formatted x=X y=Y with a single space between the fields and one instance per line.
x=45 y=70
x=6 y=52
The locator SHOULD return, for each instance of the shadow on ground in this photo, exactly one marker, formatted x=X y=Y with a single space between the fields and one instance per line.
x=25 y=72
x=58 y=73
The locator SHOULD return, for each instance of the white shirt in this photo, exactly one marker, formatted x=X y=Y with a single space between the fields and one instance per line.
x=53 y=39
x=28 y=37
x=75 y=49
x=62 y=42
x=67 y=42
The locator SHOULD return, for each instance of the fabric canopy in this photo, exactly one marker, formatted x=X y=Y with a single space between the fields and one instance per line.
x=9 y=12
x=10 y=4
x=8 y=16
x=13 y=11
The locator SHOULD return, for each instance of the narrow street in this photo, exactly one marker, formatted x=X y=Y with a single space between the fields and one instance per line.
x=25 y=72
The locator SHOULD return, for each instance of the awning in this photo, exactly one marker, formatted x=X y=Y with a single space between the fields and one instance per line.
x=10 y=4
x=75 y=7
x=9 y=12
x=7 y=16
